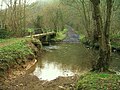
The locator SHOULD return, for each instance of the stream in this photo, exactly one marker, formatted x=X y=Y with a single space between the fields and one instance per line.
x=68 y=60
x=58 y=68
x=63 y=60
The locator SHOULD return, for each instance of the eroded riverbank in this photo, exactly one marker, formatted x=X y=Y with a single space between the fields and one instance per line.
x=62 y=61
x=31 y=82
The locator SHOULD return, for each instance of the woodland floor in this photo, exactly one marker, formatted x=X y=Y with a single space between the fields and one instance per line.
x=31 y=82
x=23 y=79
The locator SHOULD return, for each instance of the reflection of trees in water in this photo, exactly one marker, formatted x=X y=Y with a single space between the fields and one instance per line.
x=74 y=57
x=70 y=59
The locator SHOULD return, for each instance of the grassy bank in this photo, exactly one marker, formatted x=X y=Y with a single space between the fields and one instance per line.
x=99 y=81
x=61 y=35
x=15 y=51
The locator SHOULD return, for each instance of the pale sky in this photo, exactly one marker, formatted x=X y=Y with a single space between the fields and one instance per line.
x=31 y=1
x=4 y=4
x=28 y=2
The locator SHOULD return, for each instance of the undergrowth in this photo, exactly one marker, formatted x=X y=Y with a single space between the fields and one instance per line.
x=60 y=35
x=99 y=81
x=13 y=54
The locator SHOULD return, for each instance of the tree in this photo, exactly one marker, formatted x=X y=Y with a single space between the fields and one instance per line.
x=15 y=16
x=82 y=7
x=103 y=61
x=38 y=24
x=53 y=16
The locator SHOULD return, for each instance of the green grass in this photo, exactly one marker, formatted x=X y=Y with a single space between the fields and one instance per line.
x=11 y=40
x=14 y=53
x=6 y=40
x=99 y=81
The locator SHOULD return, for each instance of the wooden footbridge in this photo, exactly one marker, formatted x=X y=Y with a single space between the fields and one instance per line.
x=45 y=38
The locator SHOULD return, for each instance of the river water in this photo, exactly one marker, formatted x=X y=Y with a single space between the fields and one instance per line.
x=67 y=60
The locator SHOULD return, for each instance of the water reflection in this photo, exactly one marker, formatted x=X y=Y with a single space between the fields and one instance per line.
x=68 y=60
x=51 y=71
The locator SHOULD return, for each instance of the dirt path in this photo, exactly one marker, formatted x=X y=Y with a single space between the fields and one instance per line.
x=31 y=82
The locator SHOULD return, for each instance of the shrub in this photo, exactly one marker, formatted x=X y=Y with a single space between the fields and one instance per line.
x=60 y=35
x=3 y=33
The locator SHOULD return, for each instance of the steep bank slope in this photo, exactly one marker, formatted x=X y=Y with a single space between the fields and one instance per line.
x=16 y=53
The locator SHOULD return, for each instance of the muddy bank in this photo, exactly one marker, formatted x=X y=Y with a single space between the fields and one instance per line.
x=19 y=78
x=18 y=56
x=31 y=82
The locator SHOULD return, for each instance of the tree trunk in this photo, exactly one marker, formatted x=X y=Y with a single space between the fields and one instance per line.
x=107 y=31
x=24 y=15
x=102 y=63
